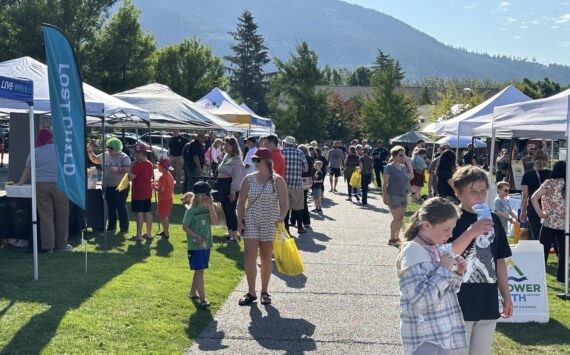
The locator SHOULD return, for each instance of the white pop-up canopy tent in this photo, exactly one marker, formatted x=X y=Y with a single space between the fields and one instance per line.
x=259 y=125
x=465 y=123
x=21 y=92
x=97 y=103
x=544 y=118
x=168 y=109
x=220 y=103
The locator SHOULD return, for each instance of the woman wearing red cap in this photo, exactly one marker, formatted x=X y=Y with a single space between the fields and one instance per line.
x=262 y=204
x=53 y=206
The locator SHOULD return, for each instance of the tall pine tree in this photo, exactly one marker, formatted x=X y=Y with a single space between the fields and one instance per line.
x=247 y=79
x=388 y=113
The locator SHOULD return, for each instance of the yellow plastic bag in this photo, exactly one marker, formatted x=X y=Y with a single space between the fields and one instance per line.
x=356 y=179
x=286 y=254
x=124 y=184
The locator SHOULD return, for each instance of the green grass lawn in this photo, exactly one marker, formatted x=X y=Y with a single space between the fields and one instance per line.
x=531 y=338
x=133 y=299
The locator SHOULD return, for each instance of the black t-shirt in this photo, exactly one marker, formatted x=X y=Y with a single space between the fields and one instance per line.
x=443 y=188
x=318 y=176
x=176 y=145
x=191 y=150
x=478 y=296
x=530 y=179
x=379 y=155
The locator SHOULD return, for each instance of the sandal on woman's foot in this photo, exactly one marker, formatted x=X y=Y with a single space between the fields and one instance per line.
x=204 y=304
x=265 y=298
x=134 y=238
x=247 y=300
x=147 y=237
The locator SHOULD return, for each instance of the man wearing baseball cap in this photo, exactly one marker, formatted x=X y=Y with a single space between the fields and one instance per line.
x=295 y=165
x=432 y=177
x=141 y=175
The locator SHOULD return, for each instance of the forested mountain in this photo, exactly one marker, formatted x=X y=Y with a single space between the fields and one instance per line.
x=343 y=35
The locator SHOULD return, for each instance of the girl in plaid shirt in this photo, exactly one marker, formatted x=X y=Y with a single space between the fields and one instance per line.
x=430 y=277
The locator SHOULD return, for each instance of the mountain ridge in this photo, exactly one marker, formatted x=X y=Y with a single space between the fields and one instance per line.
x=343 y=35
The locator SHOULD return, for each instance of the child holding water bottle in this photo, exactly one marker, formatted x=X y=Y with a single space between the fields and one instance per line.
x=480 y=238
x=430 y=276
x=196 y=224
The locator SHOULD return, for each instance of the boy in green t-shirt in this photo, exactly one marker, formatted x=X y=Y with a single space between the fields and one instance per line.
x=196 y=224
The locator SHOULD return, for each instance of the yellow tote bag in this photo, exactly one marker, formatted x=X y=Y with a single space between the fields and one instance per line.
x=124 y=184
x=356 y=179
x=286 y=254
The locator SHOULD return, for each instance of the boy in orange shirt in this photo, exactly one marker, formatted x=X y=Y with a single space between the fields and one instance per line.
x=165 y=187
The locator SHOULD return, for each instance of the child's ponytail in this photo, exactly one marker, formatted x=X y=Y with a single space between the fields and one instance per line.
x=414 y=228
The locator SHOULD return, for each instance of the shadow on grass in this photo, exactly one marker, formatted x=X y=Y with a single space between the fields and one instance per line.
x=163 y=248
x=63 y=286
x=273 y=332
x=536 y=334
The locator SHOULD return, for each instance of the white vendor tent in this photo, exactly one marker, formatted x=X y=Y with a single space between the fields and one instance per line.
x=461 y=142
x=544 y=118
x=261 y=125
x=170 y=110
x=465 y=123
x=219 y=103
x=97 y=103
x=410 y=138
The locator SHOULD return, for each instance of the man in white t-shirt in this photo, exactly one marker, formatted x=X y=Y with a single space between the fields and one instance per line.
x=252 y=149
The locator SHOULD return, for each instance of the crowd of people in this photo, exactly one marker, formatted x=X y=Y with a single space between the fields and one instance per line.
x=451 y=265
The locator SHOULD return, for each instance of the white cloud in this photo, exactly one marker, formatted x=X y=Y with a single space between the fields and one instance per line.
x=535 y=22
x=524 y=27
x=510 y=20
x=471 y=6
x=517 y=37
x=564 y=44
x=502 y=29
x=563 y=19
x=504 y=4
x=554 y=27
x=565 y=3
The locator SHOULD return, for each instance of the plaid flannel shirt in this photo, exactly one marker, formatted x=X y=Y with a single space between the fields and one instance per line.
x=295 y=163
x=429 y=308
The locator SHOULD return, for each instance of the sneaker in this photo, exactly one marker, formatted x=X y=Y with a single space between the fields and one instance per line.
x=356 y=197
x=68 y=247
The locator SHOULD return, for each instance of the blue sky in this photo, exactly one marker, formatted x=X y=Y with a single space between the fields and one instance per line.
x=537 y=29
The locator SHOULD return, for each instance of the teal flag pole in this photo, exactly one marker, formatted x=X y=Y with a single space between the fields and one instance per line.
x=67 y=114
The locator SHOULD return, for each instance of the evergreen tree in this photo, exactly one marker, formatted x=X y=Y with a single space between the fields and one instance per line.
x=122 y=55
x=360 y=77
x=388 y=113
x=306 y=111
x=190 y=69
x=246 y=69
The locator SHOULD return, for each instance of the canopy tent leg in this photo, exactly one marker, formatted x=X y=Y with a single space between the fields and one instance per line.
x=490 y=195
x=104 y=186
x=34 y=197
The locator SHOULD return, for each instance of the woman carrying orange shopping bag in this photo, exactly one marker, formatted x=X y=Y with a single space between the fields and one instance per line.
x=262 y=204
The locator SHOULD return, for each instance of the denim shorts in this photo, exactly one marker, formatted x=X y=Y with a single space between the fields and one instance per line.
x=398 y=201
x=199 y=259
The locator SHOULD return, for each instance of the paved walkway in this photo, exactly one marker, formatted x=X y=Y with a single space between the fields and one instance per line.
x=345 y=302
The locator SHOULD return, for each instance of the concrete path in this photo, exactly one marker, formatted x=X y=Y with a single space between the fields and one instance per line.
x=345 y=302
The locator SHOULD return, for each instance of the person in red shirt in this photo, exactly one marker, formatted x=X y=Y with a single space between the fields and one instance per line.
x=165 y=188
x=141 y=174
x=272 y=143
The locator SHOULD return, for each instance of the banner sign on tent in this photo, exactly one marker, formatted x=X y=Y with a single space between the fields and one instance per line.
x=16 y=89
x=527 y=283
x=68 y=114
x=518 y=172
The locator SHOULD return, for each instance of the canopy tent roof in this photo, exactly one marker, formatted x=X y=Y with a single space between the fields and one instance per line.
x=411 y=137
x=462 y=142
x=16 y=90
x=465 y=123
x=220 y=103
x=429 y=129
x=255 y=118
x=97 y=103
x=171 y=110
x=543 y=118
